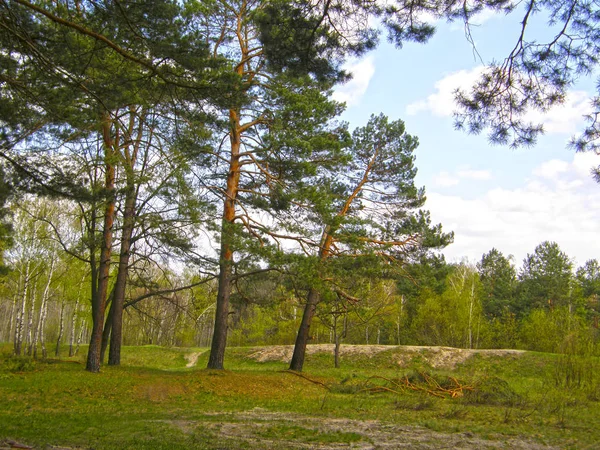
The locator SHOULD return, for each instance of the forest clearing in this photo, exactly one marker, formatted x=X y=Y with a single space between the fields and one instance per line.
x=204 y=209
x=379 y=398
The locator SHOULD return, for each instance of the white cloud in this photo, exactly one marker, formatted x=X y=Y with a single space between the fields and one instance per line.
x=559 y=203
x=550 y=169
x=441 y=103
x=362 y=71
x=566 y=118
x=445 y=179
x=448 y=179
x=471 y=174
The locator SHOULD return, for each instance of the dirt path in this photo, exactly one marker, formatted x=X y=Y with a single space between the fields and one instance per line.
x=263 y=429
x=192 y=358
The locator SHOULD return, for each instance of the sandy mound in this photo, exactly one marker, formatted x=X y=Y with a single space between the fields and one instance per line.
x=437 y=357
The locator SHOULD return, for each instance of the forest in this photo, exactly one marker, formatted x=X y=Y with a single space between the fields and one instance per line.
x=177 y=174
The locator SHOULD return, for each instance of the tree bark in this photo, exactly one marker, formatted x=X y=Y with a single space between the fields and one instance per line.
x=99 y=300
x=20 y=322
x=61 y=328
x=73 y=326
x=116 y=335
x=29 y=341
x=13 y=313
x=39 y=332
x=327 y=240
x=219 y=341
x=107 y=328
x=304 y=331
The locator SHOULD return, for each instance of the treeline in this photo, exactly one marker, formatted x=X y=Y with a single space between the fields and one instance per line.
x=168 y=166
x=545 y=304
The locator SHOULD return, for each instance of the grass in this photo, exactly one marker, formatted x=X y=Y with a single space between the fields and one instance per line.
x=153 y=401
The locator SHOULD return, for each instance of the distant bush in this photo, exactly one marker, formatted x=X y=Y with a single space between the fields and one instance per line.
x=17 y=364
x=492 y=391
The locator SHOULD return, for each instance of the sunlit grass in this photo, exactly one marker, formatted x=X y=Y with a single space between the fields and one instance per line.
x=154 y=401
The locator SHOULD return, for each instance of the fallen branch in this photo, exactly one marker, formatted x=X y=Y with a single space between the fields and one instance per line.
x=301 y=375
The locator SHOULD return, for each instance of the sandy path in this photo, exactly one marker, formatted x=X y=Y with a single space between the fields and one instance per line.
x=192 y=358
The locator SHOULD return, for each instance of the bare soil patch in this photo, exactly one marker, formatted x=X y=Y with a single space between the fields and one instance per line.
x=192 y=359
x=253 y=429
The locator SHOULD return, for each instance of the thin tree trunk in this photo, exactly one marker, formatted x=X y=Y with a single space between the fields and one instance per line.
x=61 y=328
x=79 y=338
x=39 y=332
x=99 y=300
x=19 y=326
x=304 y=331
x=30 y=329
x=73 y=326
x=12 y=318
x=43 y=331
x=336 y=340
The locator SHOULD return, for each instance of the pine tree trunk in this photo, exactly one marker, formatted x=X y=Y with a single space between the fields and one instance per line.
x=304 y=331
x=108 y=321
x=219 y=341
x=116 y=335
x=99 y=299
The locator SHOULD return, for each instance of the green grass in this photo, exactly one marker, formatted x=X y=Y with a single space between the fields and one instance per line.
x=153 y=401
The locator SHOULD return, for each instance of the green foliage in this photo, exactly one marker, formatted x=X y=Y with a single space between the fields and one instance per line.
x=545 y=279
x=553 y=330
x=454 y=318
x=498 y=280
x=492 y=390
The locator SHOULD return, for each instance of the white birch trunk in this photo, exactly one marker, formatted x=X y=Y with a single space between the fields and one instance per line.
x=73 y=327
x=30 y=320
x=39 y=332
x=20 y=322
x=61 y=328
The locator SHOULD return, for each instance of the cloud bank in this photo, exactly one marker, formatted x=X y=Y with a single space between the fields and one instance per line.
x=565 y=119
x=559 y=202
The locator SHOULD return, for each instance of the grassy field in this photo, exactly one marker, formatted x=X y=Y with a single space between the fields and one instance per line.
x=383 y=399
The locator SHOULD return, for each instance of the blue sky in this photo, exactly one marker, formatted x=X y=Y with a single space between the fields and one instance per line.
x=490 y=196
